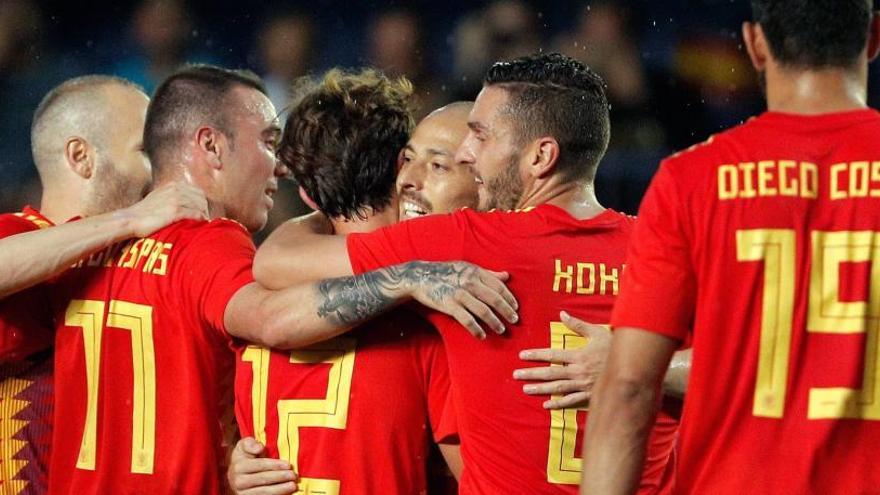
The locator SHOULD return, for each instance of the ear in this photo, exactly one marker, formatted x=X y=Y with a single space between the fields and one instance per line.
x=303 y=195
x=545 y=155
x=756 y=45
x=213 y=145
x=874 y=37
x=80 y=157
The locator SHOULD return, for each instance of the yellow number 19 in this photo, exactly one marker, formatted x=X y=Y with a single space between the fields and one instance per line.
x=826 y=313
x=137 y=319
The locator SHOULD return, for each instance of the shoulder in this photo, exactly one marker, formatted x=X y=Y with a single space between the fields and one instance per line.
x=18 y=223
x=202 y=231
x=707 y=152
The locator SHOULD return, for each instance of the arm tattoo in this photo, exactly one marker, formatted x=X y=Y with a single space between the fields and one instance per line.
x=353 y=300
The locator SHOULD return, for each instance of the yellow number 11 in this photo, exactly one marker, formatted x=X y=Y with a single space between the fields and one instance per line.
x=137 y=319
x=826 y=313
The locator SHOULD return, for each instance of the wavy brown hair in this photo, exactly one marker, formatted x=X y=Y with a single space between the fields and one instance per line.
x=342 y=139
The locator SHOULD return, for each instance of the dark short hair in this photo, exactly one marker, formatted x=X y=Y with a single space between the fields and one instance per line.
x=555 y=95
x=195 y=95
x=814 y=33
x=342 y=139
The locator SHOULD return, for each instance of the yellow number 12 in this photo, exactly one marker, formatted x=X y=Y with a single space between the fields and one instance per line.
x=826 y=313
x=137 y=319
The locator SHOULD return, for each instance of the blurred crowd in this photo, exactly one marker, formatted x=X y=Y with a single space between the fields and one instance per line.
x=676 y=71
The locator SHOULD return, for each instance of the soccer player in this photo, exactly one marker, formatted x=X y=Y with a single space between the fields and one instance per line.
x=352 y=415
x=144 y=328
x=428 y=182
x=537 y=132
x=763 y=245
x=86 y=137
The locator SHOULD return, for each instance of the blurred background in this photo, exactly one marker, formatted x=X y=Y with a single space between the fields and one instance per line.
x=676 y=69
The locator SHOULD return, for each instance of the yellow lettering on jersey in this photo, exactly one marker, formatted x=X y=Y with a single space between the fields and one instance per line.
x=765 y=177
x=769 y=178
x=126 y=260
x=588 y=279
x=608 y=277
x=859 y=179
x=788 y=186
x=561 y=275
x=591 y=278
x=162 y=258
x=728 y=182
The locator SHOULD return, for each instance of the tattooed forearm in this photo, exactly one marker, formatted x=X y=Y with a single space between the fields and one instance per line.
x=355 y=299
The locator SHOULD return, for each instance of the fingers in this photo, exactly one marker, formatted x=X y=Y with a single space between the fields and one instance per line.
x=494 y=298
x=557 y=356
x=249 y=445
x=245 y=465
x=280 y=489
x=495 y=293
x=265 y=479
x=479 y=310
x=557 y=387
x=582 y=328
x=576 y=399
x=467 y=320
x=545 y=373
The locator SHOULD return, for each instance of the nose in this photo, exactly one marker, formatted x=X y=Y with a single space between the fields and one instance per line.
x=281 y=170
x=411 y=176
x=465 y=152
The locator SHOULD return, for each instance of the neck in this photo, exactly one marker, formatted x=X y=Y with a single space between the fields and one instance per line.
x=813 y=92
x=59 y=204
x=578 y=198
x=182 y=174
x=374 y=221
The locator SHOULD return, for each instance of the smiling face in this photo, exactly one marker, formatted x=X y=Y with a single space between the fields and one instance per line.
x=491 y=149
x=250 y=170
x=429 y=180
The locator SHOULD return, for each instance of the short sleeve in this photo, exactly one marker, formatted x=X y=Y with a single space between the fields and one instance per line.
x=25 y=317
x=658 y=290
x=431 y=238
x=215 y=264
x=441 y=409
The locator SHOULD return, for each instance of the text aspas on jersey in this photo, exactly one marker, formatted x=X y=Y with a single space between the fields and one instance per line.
x=147 y=255
x=770 y=178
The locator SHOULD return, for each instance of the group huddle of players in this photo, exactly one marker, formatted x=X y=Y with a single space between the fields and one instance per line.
x=449 y=288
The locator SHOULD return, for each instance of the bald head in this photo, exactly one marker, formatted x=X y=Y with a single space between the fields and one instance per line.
x=83 y=107
x=453 y=111
x=87 y=143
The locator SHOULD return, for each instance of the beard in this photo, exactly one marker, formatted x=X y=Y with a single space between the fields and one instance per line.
x=506 y=189
x=111 y=191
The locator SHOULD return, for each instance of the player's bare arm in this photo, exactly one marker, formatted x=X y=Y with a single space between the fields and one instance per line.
x=313 y=312
x=452 y=455
x=573 y=373
x=301 y=250
x=34 y=257
x=622 y=411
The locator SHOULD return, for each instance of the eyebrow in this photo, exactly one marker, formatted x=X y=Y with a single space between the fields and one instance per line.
x=433 y=151
x=429 y=151
x=476 y=126
x=272 y=130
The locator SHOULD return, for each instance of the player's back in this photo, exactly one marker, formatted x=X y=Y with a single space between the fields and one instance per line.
x=510 y=443
x=144 y=365
x=353 y=415
x=783 y=218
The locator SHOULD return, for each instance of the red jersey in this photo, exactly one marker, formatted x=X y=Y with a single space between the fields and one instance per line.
x=353 y=415
x=145 y=364
x=26 y=336
x=764 y=242
x=510 y=443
